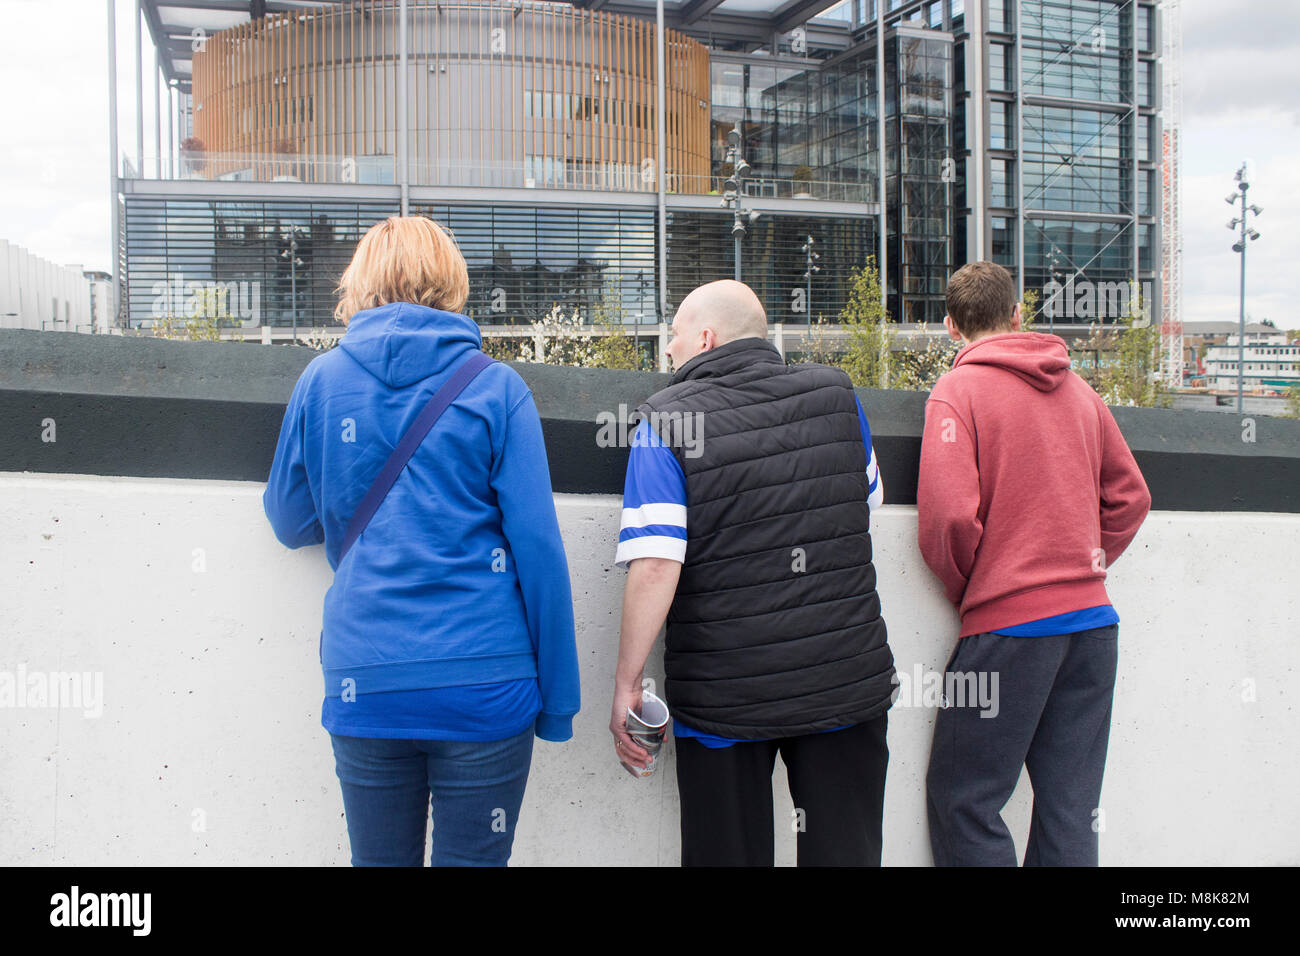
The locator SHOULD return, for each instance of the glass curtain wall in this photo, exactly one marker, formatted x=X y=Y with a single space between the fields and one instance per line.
x=809 y=130
x=700 y=249
x=920 y=169
x=229 y=260
x=1079 y=146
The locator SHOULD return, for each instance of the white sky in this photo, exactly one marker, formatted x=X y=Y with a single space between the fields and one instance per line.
x=1241 y=66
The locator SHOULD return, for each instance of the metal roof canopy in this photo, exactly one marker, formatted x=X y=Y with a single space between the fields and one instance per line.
x=176 y=27
x=780 y=16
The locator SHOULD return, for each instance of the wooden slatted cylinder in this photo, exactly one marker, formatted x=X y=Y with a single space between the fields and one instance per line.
x=309 y=92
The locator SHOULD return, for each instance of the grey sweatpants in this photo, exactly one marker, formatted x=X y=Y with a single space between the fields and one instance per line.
x=1051 y=714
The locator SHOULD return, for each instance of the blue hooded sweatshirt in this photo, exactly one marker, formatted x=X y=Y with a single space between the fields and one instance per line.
x=451 y=615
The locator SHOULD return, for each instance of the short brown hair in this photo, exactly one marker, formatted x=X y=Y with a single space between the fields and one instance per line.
x=403 y=259
x=981 y=298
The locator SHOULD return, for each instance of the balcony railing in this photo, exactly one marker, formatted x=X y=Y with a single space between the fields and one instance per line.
x=383 y=170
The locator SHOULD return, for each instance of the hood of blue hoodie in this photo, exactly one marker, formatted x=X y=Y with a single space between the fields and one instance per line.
x=403 y=343
x=1041 y=360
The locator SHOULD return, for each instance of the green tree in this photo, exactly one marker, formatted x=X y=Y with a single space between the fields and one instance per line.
x=504 y=348
x=600 y=340
x=208 y=315
x=815 y=346
x=867 y=355
x=919 y=369
x=1293 y=402
x=615 y=347
x=1028 y=310
x=1126 y=359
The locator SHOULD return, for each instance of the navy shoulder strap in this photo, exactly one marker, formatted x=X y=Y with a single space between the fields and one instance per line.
x=406 y=447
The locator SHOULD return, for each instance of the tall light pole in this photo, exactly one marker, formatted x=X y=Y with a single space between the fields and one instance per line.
x=1247 y=234
x=115 y=170
x=290 y=236
x=732 y=196
x=810 y=266
x=1054 y=263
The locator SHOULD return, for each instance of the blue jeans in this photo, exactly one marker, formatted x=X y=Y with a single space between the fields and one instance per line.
x=476 y=789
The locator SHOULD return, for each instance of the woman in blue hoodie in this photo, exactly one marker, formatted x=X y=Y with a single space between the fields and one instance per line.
x=447 y=637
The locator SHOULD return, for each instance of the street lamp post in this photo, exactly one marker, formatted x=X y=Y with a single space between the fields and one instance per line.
x=1054 y=263
x=732 y=197
x=1247 y=234
x=290 y=236
x=810 y=266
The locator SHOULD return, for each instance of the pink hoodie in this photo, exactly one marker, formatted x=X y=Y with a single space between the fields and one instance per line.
x=1027 y=489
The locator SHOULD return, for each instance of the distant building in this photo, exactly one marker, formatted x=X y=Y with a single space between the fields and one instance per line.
x=1217 y=333
x=1199 y=337
x=101 y=300
x=1272 y=364
x=38 y=294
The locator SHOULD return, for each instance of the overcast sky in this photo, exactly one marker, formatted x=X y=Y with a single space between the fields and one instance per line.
x=1241 y=65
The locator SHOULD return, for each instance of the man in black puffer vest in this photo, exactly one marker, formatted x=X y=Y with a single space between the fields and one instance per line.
x=746 y=528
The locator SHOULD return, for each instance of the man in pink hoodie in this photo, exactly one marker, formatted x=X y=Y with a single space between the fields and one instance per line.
x=1027 y=494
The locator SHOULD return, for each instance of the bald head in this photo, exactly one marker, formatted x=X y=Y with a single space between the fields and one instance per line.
x=729 y=308
x=713 y=315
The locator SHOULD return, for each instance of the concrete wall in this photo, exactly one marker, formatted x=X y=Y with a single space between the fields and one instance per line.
x=209 y=748
x=1226 y=402
x=135 y=550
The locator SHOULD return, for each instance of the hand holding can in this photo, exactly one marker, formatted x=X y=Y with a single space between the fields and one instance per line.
x=647 y=729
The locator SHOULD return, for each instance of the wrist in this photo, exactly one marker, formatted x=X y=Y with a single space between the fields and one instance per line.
x=627 y=683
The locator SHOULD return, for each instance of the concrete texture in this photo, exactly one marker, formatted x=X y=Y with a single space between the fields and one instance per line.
x=209 y=749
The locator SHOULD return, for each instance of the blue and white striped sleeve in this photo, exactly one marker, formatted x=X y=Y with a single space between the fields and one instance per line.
x=654 y=502
x=875 y=483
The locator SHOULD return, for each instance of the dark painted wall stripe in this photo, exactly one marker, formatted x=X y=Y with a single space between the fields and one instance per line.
x=194 y=438
x=148 y=408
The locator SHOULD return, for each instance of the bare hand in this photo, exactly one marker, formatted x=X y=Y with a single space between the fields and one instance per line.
x=629 y=752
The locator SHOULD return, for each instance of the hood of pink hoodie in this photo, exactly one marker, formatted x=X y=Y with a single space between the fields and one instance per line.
x=1041 y=360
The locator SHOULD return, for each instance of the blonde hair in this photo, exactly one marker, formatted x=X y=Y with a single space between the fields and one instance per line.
x=403 y=259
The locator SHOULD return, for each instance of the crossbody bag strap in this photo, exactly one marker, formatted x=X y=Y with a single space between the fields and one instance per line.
x=406 y=447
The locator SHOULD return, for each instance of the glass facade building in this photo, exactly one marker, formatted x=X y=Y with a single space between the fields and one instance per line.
x=1072 y=100
x=921 y=133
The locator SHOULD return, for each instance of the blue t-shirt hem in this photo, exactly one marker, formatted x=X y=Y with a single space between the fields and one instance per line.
x=466 y=712
x=1071 y=622
x=714 y=742
x=342 y=729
